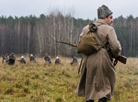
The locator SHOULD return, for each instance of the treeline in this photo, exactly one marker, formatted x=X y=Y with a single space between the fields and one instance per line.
x=127 y=32
x=36 y=35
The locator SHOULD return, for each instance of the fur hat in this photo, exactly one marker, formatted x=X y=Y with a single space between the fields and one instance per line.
x=103 y=11
x=22 y=56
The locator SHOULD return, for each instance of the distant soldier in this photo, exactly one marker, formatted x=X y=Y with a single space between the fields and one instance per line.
x=12 y=59
x=74 y=60
x=57 y=61
x=47 y=58
x=32 y=59
x=5 y=58
x=22 y=60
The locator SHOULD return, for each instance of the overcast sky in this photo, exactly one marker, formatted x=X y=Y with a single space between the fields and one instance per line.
x=78 y=8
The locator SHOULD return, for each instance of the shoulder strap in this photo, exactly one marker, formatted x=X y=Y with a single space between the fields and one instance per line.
x=97 y=38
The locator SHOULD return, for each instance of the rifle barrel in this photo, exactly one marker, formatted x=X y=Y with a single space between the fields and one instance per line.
x=74 y=45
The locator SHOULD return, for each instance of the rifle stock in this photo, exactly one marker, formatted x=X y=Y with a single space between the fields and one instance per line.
x=74 y=45
x=122 y=59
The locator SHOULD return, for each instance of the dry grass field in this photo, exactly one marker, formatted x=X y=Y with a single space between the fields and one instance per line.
x=41 y=82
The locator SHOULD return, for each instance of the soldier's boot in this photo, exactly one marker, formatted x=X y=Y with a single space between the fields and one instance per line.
x=103 y=100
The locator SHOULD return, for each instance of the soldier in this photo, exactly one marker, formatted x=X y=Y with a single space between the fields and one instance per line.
x=32 y=59
x=22 y=60
x=11 y=59
x=74 y=60
x=47 y=58
x=57 y=61
x=98 y=73
x=5 y=58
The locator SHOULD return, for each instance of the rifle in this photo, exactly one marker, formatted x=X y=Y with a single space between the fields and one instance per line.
x=120 y=58
x=73 y=45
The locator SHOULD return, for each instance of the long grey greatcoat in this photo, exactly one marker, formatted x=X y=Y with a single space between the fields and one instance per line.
x=98 y=73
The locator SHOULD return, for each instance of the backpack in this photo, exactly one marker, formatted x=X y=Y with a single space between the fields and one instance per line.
x=88 y=43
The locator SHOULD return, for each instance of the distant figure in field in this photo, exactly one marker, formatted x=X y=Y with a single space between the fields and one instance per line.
x=22 y=60
x=57 y=61
x=5 y=58
x=74 y=60
x=11 y=59
x=32 y=59
x=47 y=58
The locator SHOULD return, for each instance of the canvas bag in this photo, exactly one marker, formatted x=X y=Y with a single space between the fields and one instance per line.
x=88 y=43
